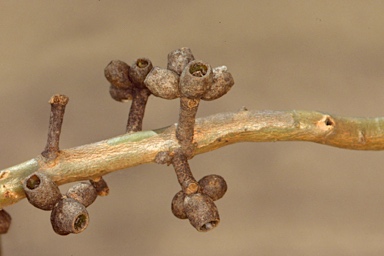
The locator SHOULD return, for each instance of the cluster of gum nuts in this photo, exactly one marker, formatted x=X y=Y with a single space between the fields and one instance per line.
x=185 y=78
x=68 y=211
x=199 y=207
x=189 y=80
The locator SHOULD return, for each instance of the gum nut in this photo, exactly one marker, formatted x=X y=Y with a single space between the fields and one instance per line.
x=178 y=205
x=5 y=221
x=222 y=83
x=41 y=191
x=69 y=216
x=83 y=192
x=213 y=186
x=179 y=59
x=120 y=94
x=139 y=71
x=201 y=212
x=116 y=72
x=163 y=83
x=195 y=79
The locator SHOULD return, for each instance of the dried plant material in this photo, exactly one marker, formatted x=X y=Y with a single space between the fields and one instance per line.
x=5 y=221
x=116 y=72
x=58 y=103
x=179 y=59
x=100 y=185
x=163 y=83
x=184 y=175
x=195 y=79
x=41 y=191
x=139 y=71
x=213 y=186
x=177 y=205
x=201 y=212
x=222 y=83
x=69 y=216
x=83 y=192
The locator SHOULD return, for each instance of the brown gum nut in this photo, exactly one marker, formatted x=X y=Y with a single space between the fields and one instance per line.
x=116 y=72
x=201 y=212
x=222 y=83
x=5 y=221
x=195 y=79
x=83 y=192
x=41 y=191
x=119 y=94
x=139 y=71
x=179 y=59
x=213 y=186
x=178 y=205
x=163 y=83
x=69 y=216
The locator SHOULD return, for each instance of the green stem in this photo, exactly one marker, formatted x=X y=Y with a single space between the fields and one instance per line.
x=128 y=150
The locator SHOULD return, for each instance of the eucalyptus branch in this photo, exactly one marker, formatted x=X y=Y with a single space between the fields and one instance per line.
x=128 y=150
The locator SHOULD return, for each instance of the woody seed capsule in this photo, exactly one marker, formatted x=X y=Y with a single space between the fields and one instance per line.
x=213 y=186
x=116 y=72
x=41 y=191
x=83 y=192
x=139 y=70
x=179 y=59
x=163 y=83
x=5 y=221
x=69 y=216
x=195 y=79
x=201 y=212
x=178 y=205
x=222 y=83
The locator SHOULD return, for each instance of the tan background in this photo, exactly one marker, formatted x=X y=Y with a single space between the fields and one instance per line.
x=284 y=198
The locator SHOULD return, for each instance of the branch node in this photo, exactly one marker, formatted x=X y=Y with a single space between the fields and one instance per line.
x=326 y=123
x=164 y=157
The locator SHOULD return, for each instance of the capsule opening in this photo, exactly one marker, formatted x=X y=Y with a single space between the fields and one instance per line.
x=198 y=69
x=209 y=226
x=33 y=182
x=81 y=222
x=142 y=63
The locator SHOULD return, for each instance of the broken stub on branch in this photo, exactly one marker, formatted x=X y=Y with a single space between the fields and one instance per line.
x=44 y=194
x=185 y=78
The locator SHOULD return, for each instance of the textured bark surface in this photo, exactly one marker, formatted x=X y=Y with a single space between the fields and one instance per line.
x=284 y=198
x=212 y=132
x=58 y=103
x=185 y=127
x=136 y=113
x=183 y=172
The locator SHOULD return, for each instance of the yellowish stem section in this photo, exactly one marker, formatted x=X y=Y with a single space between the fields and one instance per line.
x=128 y=150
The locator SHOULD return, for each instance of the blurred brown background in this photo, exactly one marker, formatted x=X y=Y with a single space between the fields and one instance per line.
x=286 y=198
